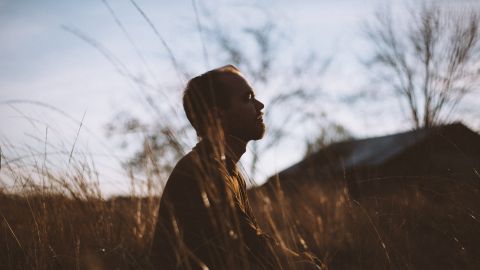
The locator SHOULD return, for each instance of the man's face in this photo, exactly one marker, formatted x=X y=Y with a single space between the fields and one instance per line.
x=243 y=116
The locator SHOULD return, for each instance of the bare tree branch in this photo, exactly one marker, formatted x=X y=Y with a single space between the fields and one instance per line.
x=430 y=62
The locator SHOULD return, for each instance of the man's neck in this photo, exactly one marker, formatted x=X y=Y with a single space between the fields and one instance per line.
x=235 y=147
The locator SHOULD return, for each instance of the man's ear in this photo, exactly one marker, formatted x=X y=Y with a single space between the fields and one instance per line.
x=218 y=113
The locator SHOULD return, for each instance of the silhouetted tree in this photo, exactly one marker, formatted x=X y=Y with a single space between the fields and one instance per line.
x=329 y=132
x=430 y=60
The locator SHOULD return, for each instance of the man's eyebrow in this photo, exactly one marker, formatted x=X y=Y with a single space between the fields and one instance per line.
x=249 y=94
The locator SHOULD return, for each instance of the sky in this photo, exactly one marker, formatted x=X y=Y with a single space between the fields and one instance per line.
x=58 y=92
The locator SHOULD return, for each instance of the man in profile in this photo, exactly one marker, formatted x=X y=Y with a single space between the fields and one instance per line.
x=205 y=220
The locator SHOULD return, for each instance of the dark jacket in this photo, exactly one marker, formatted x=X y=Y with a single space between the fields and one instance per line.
x=205 y=218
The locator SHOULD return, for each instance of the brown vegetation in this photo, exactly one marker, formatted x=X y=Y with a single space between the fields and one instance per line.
x=411 y=224
x=402 y=223
x=58 y=232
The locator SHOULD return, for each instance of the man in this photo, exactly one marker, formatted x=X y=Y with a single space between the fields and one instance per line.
x=205 y=220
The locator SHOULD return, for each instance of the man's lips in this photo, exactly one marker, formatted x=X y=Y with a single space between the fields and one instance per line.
x=260 y=117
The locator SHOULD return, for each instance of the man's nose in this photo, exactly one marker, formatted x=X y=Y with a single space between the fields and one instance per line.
x=259 y=104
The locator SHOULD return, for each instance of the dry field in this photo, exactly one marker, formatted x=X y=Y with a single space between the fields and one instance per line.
x=410 y=224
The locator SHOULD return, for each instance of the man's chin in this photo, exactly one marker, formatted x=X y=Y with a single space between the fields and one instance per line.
x=259 y=134
x=254 y=134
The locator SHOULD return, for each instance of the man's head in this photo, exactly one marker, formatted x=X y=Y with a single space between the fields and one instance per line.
x=222 y=98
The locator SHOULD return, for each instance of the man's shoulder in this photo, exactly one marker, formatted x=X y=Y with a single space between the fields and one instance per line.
x=188 y=166
x=185 y=167
x=182 y=179
x=194 y=167
x=195 y=161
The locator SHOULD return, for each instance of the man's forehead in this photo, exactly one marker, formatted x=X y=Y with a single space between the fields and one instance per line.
x=236 y=82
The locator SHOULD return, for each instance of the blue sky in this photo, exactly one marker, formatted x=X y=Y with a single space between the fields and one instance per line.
x=40 y=61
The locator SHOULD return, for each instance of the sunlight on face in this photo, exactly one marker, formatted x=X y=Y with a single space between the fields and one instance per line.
x=243 y=116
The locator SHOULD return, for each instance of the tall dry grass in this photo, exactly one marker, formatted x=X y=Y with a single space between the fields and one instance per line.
x=62 y=221
x=420 y=223
x=55 y=218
